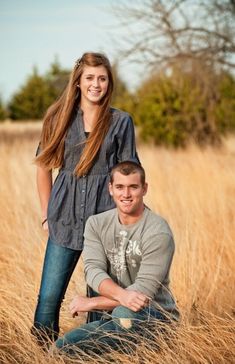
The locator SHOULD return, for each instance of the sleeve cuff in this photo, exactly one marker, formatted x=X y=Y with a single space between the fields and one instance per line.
x=95 y=281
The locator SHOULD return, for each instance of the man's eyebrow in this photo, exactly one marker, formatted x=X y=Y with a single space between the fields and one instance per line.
x=120 y=185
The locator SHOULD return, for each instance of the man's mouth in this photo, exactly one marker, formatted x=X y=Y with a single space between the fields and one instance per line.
x=126 y=202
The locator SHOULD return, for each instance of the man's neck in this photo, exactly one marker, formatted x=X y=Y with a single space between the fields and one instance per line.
x=129 y=219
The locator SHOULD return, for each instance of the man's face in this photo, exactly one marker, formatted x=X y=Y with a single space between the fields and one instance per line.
x=127 y=193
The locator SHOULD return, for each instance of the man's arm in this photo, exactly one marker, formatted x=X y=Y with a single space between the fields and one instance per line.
x=95 y=260
x=131 y=299
x=96 y=272
x=157 y=253
x=87 y=304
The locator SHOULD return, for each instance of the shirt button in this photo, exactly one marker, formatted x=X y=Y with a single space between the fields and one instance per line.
x=83 y=191
x=82 y=204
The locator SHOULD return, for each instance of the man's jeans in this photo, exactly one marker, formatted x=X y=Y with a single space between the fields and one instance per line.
x=119 y=332
x=59 y=264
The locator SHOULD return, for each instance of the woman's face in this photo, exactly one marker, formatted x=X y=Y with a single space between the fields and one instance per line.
x=93 y=84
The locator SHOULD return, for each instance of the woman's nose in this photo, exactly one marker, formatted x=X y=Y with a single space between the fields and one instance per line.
x=96 y=82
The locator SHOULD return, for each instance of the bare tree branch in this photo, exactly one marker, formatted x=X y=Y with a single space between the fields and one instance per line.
x=160 y=31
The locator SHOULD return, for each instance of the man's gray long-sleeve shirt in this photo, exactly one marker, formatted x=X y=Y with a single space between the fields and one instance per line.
x=137 y=257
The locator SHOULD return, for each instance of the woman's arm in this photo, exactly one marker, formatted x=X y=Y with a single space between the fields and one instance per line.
x=126 y=142
x=44 y=185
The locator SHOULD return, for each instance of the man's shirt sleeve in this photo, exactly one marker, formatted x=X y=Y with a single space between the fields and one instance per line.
x=157 y=256
x=95 y=261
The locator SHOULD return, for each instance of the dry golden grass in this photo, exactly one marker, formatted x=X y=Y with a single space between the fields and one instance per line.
x=193 y=189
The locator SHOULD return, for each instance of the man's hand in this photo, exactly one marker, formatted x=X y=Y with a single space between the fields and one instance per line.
x=133 y=300
x=80 y=304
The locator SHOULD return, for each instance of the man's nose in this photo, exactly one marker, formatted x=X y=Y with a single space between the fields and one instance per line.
x=126 y=192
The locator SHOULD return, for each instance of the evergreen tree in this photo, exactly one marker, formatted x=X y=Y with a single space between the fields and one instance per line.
x=57 y=79
x=33 y=98
x=3 y=112
x=172 y=110
x=38 y=93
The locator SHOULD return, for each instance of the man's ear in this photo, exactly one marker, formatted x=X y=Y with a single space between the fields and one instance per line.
x=110 y=189
x=145 y=188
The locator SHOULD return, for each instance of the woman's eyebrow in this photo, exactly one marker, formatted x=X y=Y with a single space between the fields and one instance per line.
x=92 y=74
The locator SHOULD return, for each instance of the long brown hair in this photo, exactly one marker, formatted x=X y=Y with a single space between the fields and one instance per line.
x=59 y=114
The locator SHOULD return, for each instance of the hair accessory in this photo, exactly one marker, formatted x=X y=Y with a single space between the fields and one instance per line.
x=78 y=62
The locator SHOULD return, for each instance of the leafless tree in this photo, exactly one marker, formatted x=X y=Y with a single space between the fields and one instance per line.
x=164 y=32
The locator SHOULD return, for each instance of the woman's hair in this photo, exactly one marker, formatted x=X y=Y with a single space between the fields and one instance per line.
x=59 y=114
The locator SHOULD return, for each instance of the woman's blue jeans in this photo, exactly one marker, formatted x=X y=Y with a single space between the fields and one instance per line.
x=59 y=264
x=119 y=332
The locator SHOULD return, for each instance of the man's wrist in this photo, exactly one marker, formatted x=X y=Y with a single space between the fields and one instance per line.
x=119 y=292
x=92 y=303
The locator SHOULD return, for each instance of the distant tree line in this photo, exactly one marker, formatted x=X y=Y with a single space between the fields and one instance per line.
x=38 y=92
x=169 y=108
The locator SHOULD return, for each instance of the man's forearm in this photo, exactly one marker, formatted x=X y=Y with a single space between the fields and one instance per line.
x=131 y=299
x=87 y=304
x=108 y=288
x=103 y=303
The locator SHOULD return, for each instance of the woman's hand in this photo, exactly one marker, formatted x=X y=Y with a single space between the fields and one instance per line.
x=45 y=224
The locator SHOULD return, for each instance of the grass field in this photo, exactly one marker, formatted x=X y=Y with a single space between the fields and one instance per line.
x=193 y=189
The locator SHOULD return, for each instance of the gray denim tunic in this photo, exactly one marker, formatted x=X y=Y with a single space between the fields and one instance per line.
x=74 y=199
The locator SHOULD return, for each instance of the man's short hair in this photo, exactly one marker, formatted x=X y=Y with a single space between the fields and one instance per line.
x=126 y=168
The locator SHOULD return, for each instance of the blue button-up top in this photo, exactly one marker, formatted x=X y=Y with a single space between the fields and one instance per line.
x=73 y=199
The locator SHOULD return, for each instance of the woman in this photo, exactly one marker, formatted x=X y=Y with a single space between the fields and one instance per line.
x=84 y=138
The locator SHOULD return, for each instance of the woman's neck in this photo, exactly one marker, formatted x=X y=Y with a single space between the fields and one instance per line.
x=90 y=113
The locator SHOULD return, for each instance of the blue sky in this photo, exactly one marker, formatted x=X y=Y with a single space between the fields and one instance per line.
x=34 y=32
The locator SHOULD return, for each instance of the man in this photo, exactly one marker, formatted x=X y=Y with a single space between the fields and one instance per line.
x=127 y=256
